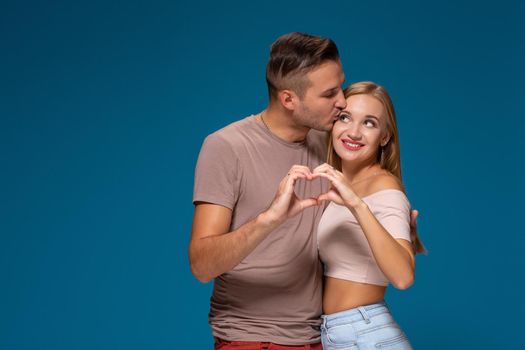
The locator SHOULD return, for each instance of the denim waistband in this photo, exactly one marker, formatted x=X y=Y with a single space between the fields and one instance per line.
x=356 y=314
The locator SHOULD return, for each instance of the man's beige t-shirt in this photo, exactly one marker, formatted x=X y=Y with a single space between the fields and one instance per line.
x=274 y=294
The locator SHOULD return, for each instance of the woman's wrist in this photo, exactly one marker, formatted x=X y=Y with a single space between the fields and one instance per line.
x=358 y=207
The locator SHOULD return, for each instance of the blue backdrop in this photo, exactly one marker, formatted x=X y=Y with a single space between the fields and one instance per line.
x=104 y=106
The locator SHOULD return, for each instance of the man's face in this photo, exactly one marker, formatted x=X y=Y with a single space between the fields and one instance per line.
x=324 y=99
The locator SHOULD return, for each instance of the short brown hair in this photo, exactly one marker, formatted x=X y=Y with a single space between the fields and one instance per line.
x=292 y=56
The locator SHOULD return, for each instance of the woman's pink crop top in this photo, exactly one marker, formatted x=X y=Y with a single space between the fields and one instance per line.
x=342 y=244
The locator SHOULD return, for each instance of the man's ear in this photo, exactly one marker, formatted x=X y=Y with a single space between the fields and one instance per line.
x=288 y=99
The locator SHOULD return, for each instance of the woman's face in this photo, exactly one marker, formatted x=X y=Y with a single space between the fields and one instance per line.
x=360 y=129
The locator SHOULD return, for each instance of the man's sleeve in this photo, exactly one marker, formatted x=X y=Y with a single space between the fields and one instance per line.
x=216 y=173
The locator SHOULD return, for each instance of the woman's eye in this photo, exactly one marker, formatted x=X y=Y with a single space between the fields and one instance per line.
x=370 y=124
x=345 y=118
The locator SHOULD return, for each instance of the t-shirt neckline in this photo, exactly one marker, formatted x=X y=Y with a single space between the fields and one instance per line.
x=265 y=129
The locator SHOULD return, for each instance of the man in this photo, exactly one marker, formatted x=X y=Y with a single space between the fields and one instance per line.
x=261 y=246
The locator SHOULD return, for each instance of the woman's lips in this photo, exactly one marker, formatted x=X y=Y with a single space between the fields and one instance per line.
x=351 y=145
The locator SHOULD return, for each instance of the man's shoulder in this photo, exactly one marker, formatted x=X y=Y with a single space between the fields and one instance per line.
x=232 y=132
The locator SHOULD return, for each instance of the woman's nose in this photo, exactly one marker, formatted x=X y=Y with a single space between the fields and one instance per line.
x=353 y=131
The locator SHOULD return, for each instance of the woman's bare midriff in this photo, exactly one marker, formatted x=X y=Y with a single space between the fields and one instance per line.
x=340 y=295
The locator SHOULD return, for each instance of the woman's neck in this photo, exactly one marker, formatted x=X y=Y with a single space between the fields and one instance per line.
x=358 y=172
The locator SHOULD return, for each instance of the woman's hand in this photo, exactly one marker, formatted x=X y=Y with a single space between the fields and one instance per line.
x=340 y=190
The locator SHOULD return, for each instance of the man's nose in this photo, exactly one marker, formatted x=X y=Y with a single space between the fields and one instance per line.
x=340 y=101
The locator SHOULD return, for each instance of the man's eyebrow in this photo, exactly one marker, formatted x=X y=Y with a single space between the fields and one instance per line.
x=331 y=89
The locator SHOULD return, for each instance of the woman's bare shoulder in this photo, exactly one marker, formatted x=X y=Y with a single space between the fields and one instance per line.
x=385 y=181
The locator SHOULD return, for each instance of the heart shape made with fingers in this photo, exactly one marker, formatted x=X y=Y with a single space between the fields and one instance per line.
x=311 y=188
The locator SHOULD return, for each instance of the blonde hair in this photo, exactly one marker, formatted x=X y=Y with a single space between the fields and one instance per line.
x=389 y=156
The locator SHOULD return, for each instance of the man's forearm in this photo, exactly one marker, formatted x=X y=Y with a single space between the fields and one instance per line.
x=214 y=255
x=214 y=251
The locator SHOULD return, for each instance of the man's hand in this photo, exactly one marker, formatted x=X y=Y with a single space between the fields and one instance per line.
x=286 y=204
x=413 y=222
x=418 y=247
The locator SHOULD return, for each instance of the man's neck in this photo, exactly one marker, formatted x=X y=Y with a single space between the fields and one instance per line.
x=280 y=123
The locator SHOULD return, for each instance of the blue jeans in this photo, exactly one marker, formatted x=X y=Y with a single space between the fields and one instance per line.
x=365 y=327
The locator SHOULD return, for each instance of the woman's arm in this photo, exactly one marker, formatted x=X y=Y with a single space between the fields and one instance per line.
x=394 y=257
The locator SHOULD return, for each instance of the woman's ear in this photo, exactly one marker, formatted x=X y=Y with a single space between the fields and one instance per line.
x=385 y=139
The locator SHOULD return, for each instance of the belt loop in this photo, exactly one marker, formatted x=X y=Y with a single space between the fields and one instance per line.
x=364 y=314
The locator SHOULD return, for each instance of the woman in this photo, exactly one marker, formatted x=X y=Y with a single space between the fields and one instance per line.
x=364 y=235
